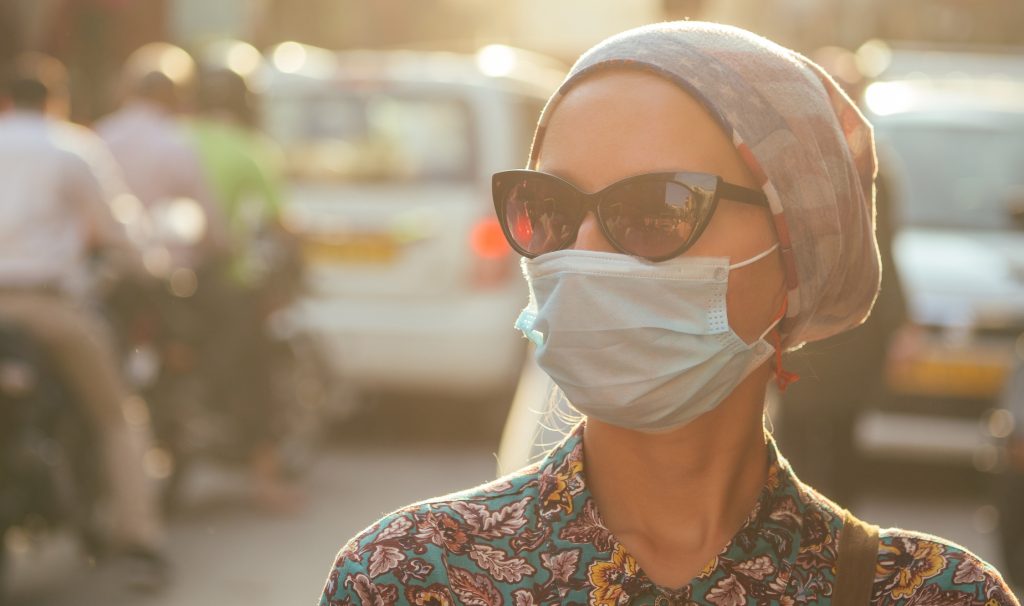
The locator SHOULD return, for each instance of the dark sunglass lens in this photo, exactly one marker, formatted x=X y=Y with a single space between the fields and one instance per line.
x=650 y=218
x=541 y=215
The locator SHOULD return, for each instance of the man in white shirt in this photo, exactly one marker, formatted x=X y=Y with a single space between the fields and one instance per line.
x=59 y=182
x=158 y=161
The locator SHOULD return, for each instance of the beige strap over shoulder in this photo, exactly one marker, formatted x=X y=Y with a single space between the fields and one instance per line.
x=858 y=555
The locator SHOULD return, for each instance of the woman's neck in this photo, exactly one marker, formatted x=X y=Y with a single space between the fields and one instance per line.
x=675 y=499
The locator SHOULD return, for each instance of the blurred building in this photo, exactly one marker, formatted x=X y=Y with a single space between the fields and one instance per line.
x=564 y=29
x=94 y=36
x=810 y=24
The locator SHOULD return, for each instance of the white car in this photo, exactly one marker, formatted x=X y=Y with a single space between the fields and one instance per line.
x=952 y=143
x=411 y=286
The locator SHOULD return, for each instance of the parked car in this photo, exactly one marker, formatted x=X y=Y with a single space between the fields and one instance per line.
x=949 y=127
x=411 y=285
x=953 y=146
x=919 y=380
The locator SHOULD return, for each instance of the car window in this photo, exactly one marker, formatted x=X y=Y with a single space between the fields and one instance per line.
x=955 y=176
x=373 y=137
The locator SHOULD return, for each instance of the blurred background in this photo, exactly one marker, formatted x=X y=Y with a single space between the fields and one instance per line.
x=306 y=303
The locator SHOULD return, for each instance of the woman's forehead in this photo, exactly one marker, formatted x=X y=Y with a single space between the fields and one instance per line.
x=618 y=123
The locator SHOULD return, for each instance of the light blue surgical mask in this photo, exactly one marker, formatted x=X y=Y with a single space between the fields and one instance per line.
x=635 y=343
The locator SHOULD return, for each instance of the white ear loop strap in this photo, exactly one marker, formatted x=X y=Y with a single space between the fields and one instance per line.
x=755 y=258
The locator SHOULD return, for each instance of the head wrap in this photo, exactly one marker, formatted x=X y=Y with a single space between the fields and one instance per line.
x=805 y=142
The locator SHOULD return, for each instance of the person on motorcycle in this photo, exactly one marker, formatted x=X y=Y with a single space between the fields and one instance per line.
x=60 y=184
x=244 y=170
x=159 y=162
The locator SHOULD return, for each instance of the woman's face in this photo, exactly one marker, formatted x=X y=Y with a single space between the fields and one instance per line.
x=622 y=123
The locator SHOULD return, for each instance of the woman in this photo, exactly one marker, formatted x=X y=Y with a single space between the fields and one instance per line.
x=733 y=219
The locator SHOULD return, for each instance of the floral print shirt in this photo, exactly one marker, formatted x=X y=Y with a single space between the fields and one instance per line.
x=535 y=537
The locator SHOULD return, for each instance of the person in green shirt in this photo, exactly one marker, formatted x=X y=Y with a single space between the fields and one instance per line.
x=242 y=165
x=258 y=276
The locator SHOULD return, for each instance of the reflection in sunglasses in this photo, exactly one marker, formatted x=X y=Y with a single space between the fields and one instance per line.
x=656 y=216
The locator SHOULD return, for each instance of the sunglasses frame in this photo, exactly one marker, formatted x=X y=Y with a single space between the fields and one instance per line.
x=708 y=189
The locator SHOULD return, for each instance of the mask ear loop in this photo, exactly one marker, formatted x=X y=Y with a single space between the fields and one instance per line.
x=755 y=259
x=783 y=378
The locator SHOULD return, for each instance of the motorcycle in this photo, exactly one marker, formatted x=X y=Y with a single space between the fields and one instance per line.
x=179 y=358
x=50 y=475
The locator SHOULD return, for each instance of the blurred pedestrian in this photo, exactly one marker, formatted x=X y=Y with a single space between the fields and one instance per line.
x=158 y=160
x=59 y=183
x=244 y=168
x=671 y=491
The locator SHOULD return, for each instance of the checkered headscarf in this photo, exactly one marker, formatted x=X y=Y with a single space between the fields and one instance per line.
x=803 y=139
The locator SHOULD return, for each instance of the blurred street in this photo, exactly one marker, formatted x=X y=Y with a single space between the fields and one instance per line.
x=227 y=553
x=228 y=229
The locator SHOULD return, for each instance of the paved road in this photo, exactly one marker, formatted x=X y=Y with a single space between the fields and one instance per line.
x=227 y=553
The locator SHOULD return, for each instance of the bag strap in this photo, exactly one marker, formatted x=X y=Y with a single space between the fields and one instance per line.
x=855 y=569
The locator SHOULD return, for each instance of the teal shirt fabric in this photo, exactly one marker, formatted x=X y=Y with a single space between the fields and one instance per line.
x=536 y=537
